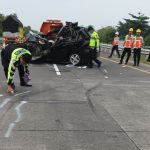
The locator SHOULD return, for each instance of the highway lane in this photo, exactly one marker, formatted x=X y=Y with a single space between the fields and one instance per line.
x=77 y=109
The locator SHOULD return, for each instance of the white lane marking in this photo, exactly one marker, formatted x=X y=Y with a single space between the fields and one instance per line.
x=4 y=102
x=12 y=125
x=57 y=70
x=121 y=73
x=18 y=111
x=1 y=95
x=106 y=77
x=124 y=66
x=105 y=71
x=137 y=69
x=22 y=93
x=8 y=132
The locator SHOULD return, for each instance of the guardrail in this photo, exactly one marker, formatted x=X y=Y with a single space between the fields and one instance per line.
x=108 y=47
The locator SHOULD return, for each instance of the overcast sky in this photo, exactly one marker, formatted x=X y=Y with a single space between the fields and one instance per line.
x=99 y=13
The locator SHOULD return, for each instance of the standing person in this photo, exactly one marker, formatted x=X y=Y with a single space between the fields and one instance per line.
x=115 y=45
x=128 y=43
x=94 y=47
x=12 y=59
x=137 y=45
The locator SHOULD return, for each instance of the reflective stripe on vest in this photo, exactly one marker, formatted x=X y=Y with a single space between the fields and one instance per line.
x=18 y=52
x=128 y=43
x=138 y=42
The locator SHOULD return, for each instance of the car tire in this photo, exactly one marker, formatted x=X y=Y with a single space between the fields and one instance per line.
x=75 y=59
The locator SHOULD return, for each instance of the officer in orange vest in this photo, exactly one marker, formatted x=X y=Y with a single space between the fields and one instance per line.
x=115 y=45
x=137 y=45
x=128 y=43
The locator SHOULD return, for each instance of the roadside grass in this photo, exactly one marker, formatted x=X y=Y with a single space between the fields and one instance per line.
x=143 y=59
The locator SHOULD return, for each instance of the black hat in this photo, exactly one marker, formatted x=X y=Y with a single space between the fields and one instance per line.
x=90 y=28
x=26 y=57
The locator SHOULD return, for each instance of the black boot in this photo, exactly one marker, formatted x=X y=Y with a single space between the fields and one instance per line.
x=25 y=84
x=99 y=64
x=22 y=83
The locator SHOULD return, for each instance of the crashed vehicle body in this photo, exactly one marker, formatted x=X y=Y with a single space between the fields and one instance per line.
x=36 y=44
x=71 y=45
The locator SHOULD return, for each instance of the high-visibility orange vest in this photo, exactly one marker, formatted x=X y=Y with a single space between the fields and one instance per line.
x=138 y=41
x=128 y=41
x=116 y=41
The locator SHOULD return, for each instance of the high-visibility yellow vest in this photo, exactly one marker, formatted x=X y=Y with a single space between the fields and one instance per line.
x=16 y=54
x=94 y=41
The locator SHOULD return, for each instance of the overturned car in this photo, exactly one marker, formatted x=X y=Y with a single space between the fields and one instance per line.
x=71 y=45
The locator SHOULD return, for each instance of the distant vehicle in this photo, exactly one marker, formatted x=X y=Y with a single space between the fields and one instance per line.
x=71 y=45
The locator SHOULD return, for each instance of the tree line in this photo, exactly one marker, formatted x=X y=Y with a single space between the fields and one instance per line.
x=139 y=21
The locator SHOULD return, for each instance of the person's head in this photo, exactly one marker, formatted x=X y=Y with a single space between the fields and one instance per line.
x=25 y=59
x=130 y=30
x=138 y=32
x=90 y=29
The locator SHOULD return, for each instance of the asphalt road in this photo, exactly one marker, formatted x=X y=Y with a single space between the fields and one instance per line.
x=75 y=108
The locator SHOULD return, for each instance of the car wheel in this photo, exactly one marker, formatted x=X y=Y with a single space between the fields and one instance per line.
x=75 y=59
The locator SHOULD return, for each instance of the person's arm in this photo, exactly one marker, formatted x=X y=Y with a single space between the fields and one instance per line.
x=97 y=41
x=125 y=39
x=11 y=71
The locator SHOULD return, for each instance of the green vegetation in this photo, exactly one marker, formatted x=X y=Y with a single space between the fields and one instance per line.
x=136 y=22
x=106 y=34
x=1 y=19
x=144 y=59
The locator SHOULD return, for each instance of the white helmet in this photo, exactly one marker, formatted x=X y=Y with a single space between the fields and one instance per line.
x=117 y=33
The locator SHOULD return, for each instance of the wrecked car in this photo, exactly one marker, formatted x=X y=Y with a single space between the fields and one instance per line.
x=71 y=45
